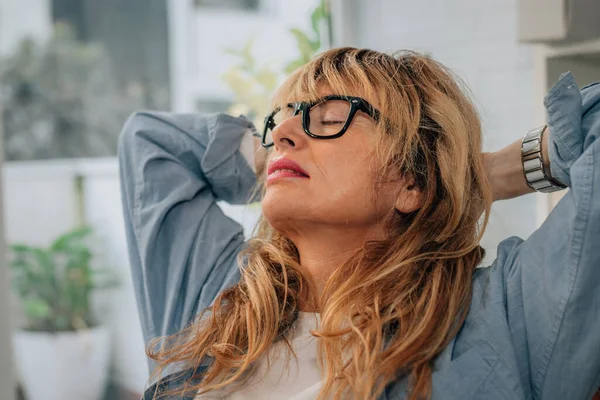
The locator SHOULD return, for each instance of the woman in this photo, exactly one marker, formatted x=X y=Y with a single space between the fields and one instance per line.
x=375 y=185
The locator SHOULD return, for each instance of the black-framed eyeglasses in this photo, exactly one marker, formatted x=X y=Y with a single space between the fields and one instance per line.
x=326 y=118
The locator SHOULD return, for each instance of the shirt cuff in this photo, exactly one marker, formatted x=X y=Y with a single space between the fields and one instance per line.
x=247 y=148
x=564 y=110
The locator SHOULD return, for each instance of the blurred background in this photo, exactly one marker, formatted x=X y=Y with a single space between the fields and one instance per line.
x=71 y=71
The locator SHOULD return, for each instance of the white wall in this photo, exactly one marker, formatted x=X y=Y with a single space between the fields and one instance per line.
x=23 y=18
x=39 y=201
x=478 y=40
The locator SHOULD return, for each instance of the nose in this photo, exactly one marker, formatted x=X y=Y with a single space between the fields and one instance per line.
x=289 y=134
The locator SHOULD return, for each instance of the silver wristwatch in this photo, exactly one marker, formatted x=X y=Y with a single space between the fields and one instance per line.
x=533 y=163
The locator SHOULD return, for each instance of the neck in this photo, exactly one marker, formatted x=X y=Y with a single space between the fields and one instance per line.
x=324 y=249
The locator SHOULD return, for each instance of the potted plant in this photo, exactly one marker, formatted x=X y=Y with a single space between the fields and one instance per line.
x=61 y=352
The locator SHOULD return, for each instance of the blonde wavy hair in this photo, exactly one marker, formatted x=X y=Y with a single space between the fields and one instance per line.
x=390 y=309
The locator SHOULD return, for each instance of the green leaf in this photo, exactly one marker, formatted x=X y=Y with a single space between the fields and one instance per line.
x=233 y=52
x=81 y=252
x=68 y=239
x=305 y=45
x=316 y=17
x=267 y=78
x=36 y=309
x=237 y=81
x=316 y=45
x=22 y=249
x=248 y=57
x=21 y=285
x=21 y=264
x=44 y=262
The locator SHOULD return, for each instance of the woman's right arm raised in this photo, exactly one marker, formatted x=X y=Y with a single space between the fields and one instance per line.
x=182 y=248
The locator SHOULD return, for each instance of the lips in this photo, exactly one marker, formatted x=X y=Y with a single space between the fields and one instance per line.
x=284 y=167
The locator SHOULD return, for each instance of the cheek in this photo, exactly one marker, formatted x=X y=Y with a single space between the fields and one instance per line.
x=351 y=197
x=349 y=183
x=348 y=173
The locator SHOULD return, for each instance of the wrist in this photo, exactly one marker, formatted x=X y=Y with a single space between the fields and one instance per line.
x=545 y=153
x=506 y=173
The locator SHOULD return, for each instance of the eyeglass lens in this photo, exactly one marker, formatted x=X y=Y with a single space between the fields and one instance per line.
x=327 y=118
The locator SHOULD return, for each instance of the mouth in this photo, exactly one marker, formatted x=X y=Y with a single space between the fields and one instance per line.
x=285 y=168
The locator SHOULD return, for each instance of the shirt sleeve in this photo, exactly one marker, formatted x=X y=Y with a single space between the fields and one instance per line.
x=182 y=248
x=552 y=279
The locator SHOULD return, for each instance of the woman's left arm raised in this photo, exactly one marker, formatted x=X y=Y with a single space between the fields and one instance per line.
x=552 y=279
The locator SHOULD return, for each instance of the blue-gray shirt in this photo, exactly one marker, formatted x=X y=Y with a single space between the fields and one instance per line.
x=533 y=329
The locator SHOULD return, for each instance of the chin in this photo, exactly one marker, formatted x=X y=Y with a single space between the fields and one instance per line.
x=283 y=208
x=278 y=205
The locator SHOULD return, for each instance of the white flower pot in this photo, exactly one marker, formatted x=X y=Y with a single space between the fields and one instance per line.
x=63 y=366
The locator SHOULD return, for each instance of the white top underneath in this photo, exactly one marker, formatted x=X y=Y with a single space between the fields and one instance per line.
x=301 y=381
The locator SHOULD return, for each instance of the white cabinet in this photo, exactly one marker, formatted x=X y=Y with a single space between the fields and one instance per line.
x=558 y=21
